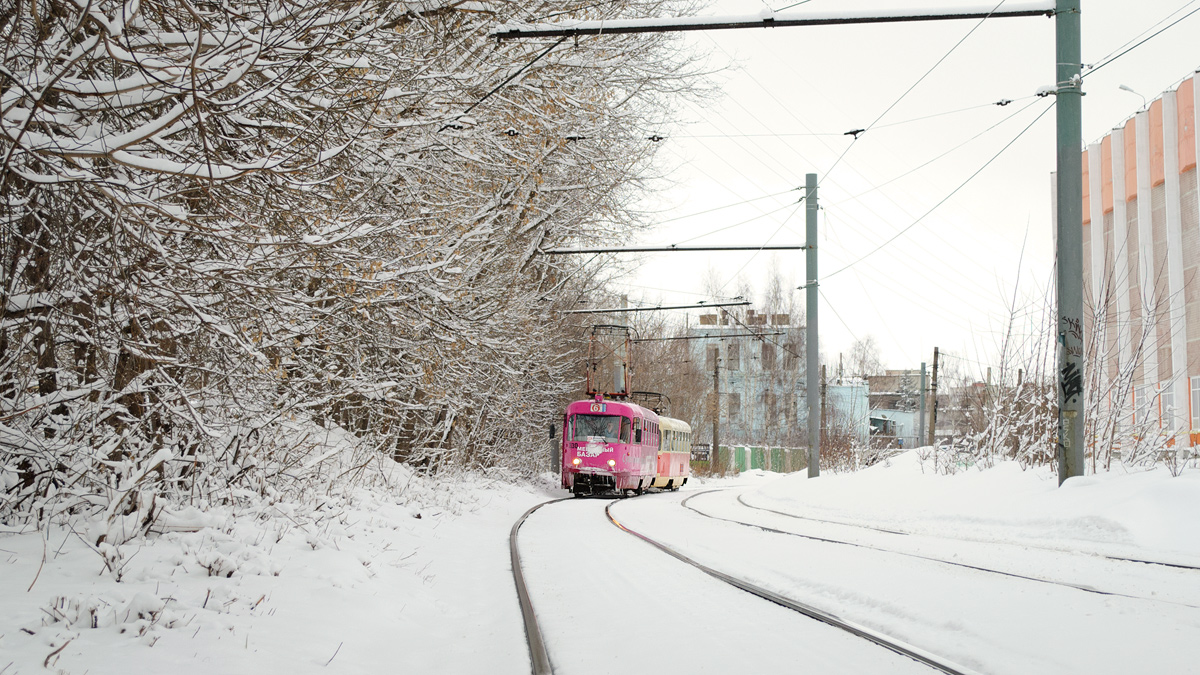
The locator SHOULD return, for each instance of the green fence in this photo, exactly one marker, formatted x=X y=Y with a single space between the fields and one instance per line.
x=739 y=458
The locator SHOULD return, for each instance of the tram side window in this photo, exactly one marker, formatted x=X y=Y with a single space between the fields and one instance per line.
x=607 y=426
x=624 y=429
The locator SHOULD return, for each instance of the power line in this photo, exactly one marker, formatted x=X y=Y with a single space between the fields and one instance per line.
x=827 y=179
x=764 y=248
x=1109 y=59
x=498 y=87
x=616 y=310
x=914 y=86
x=761 y=339
x=730 y=227
x=835 y=313
x=811 y=134
x=831 y=180
x=931 y=161
x=947 y=197
x=667 y=249
x=727 y=206
x=671 y=290
x=707 y=336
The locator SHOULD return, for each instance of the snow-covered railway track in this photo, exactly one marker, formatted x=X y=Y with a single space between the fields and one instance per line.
x=979 y=568
x=985 y=621
x=919 y=655
x=539 y=658
x=1143 y=561
x=565 y=637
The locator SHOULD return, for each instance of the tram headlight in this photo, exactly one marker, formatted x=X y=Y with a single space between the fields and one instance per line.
x=576 y=461
x=612 y=462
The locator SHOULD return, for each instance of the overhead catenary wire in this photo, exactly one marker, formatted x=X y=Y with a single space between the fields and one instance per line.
x=761 y=337
x=827 y=179
x=911 y=88
x=727 y=206
x=835 y=313
x=1088 y=70
x=767 y=153
x=761 y=248
x=810 y=134
x=931 y=161
x=500 y=86
x=944 y=199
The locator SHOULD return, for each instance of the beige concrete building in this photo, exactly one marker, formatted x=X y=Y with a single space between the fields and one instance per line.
x=1141 y=255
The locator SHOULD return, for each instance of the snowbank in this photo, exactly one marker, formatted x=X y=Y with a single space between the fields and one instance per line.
x=1143 y=514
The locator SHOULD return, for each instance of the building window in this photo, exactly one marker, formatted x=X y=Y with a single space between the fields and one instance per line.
x=1144 y=404
x=1196 y=402
x=711 y=358
x=768 y=356
x=734 y=359
x=1166 y=399
x=791 y=356
x=735 y=405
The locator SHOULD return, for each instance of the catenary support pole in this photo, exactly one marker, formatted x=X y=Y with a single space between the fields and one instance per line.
x=811 y=345
x=1069 y=87
x=933 y=402
x=824 y=387
x=921 y=418
x=715 y=457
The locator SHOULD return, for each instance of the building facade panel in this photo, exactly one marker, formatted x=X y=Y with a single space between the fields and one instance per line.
x=1131 y=160
x=1142 y=260
x=1186 y=119
x=1146 y=276
x=1120 y=217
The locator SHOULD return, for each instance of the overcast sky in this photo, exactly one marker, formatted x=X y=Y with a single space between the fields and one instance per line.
x=787 y=100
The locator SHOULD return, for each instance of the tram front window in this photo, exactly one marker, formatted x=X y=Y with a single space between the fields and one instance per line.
x=608 y=426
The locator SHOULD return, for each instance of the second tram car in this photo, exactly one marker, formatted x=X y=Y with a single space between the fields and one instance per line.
x=617 y=446
x=674 y=454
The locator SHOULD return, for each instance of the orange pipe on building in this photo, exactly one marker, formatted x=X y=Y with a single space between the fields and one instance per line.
x=1130 y=160
x=1087 y=209
x=1106 y=185
x=1158 y=174
x=1187 y=124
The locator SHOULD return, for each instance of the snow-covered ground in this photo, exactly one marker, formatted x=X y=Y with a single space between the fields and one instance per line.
x=417 y=582
x=420 y=581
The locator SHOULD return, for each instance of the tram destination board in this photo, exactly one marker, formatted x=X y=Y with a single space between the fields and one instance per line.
x=701 y=452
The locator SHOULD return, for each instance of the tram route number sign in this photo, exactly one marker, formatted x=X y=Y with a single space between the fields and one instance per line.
x=701 y=452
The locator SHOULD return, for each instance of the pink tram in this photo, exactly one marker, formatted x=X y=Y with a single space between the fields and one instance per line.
x=617 y=446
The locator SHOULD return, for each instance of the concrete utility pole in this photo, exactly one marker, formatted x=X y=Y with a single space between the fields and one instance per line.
x=921 y=418
x=811 y=346
x=1020 y=412
x=1070 y=239
x=715 y=457
x=824 y=387
x=933 y=405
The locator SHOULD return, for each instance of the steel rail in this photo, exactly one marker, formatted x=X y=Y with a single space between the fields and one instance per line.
x=1041 y=580
x=538 y=656
x=1182 y=566
x=915 y=653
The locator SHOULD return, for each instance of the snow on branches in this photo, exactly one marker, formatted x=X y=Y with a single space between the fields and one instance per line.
x=228 y=224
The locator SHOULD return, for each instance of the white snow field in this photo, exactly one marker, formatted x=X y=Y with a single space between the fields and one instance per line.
x=997 y=570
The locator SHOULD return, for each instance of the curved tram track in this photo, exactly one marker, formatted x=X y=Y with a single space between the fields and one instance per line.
x=540 y=656
x=979 y=568
x=743 y=502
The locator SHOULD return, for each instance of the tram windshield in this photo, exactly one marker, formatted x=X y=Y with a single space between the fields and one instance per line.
x=614 y=428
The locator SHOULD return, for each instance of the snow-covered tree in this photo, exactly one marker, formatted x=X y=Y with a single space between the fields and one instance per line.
x=222 y=218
